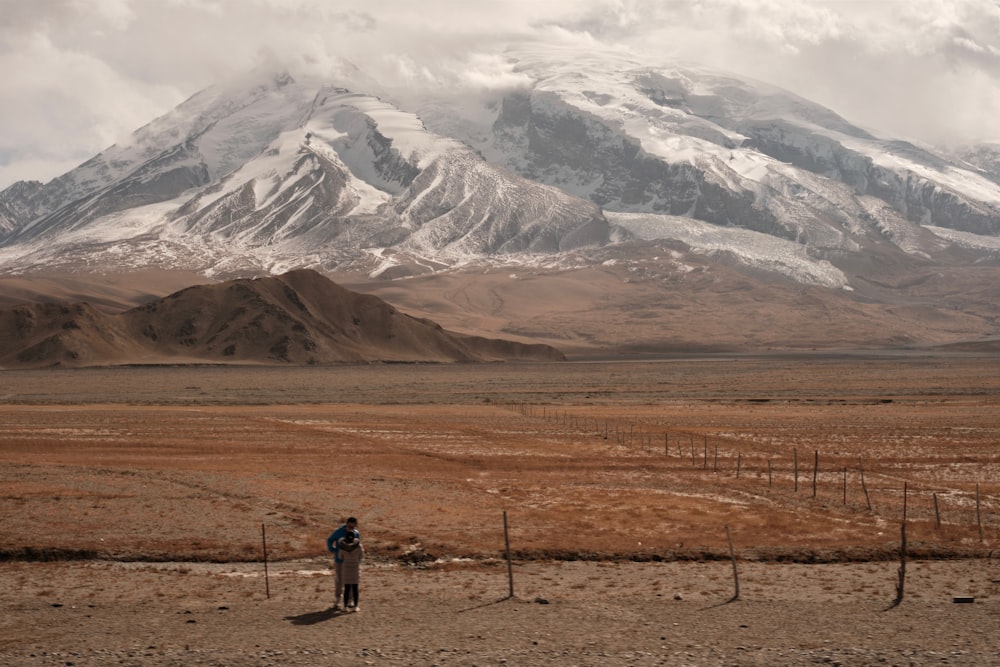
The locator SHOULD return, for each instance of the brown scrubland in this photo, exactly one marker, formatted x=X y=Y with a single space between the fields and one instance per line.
x=154 y=490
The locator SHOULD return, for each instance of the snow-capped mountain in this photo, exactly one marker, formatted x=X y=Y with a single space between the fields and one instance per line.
x=595 y=154
x=684 y=141
x=289 y=173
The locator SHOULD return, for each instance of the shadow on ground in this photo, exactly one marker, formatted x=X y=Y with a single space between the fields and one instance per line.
x=313 y=617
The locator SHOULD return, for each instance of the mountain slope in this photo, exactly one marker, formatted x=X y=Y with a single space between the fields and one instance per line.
x=685 y=141
x=594 y=159
x=289 y=173
x=271 y=173
x=297 y=318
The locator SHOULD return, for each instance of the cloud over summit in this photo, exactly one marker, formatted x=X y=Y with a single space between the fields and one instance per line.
x=81 y=75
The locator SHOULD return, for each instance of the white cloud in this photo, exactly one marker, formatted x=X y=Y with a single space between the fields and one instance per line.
x=60 y=107
x=926 y=70
x=79 y=74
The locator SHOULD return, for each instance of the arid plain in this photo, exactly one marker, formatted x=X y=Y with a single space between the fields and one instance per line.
x=136 y=502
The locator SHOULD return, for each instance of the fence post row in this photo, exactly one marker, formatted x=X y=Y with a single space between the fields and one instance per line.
x=646 y=439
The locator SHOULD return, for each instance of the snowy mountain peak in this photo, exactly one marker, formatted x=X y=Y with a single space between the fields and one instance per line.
x=590 y=150
x=263 y=174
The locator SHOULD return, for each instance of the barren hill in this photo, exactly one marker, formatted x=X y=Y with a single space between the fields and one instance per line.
x=300 y=317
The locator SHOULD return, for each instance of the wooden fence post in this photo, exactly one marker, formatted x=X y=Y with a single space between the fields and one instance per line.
x=510 y=569
x=815 y=471
x=736 y=574
x=864 y=487
x=267 y=582
x=795 y=462
x=901 y=582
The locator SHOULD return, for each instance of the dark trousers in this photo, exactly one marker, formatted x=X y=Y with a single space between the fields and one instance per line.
x=350 y=590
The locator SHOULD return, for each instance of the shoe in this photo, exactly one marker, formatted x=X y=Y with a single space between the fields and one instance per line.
x=355 y=608
x=336 y=607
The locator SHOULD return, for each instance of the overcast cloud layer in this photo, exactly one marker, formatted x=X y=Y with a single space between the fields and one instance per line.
x=79 y=75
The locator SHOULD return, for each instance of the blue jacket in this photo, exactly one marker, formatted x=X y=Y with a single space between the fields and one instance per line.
x=331 y=542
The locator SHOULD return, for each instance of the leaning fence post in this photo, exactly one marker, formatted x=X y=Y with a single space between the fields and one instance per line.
x=736 y=575
x=864 y=487
x=902 y=565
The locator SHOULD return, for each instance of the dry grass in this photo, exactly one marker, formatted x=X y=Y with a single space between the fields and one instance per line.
x=187 y=464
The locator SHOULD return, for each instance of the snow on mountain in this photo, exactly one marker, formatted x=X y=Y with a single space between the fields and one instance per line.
x=289 y=173
x=755 y=249
x=984 y=157
x=275 y=172
x=16 y=203
x=968 y=240
x=684 y=141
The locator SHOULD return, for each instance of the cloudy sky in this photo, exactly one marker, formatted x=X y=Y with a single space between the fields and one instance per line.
x=79 y=75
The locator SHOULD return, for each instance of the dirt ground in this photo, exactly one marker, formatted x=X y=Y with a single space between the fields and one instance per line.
x=136 y=503
x=563 y=613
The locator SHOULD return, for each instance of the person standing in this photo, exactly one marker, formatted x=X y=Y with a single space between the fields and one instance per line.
x=351 y=552
x=332 y=545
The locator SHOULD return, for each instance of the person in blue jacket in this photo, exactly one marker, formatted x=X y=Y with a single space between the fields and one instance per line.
x=350 y=526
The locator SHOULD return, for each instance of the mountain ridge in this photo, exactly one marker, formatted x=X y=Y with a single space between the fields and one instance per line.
x=298 y=318
x=595 y=157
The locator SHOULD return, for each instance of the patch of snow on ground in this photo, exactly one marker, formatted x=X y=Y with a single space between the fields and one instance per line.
x=966 y=239
x=754 y=249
